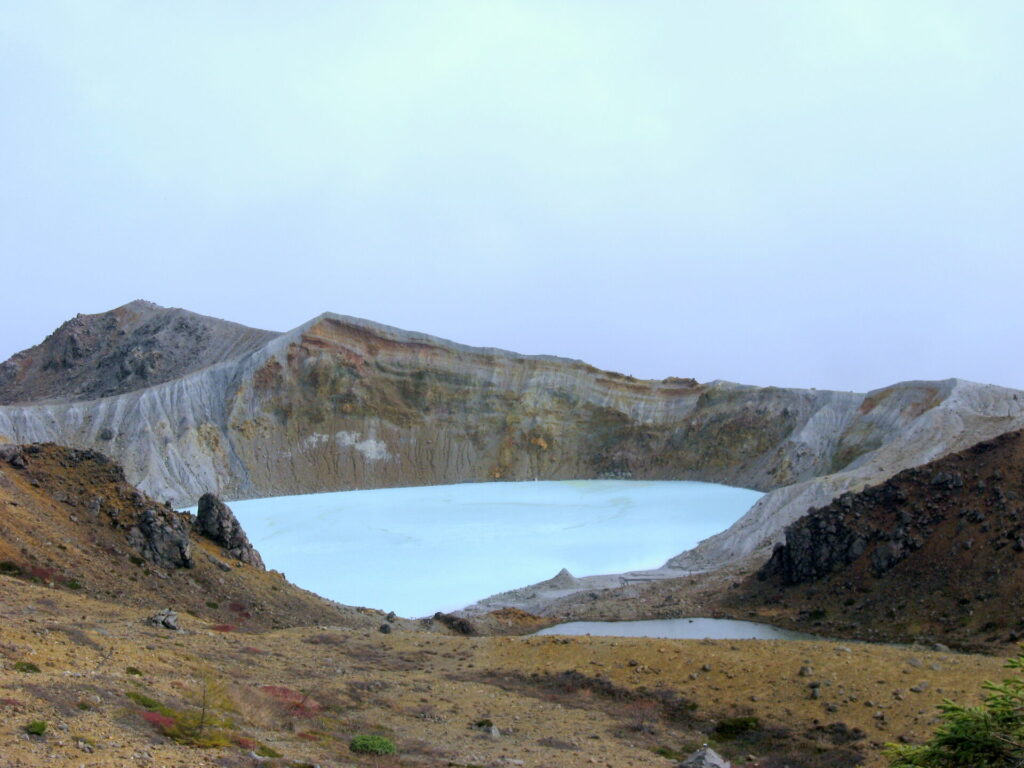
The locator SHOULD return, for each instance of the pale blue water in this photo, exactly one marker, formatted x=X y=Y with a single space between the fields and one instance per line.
x=685 y=629
x=425 y=549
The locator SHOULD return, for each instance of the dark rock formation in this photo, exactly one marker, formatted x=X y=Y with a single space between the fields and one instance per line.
x=830 y=538
x=161 y=536
x=456 y=624
x=935 y=551
x=218 y=523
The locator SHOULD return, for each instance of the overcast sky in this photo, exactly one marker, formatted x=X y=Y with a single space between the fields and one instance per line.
x=818 y=194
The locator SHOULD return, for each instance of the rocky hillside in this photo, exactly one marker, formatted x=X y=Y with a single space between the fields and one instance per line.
x=135 y=346
x=70 y=520
x=936 y=551
x=343 y=403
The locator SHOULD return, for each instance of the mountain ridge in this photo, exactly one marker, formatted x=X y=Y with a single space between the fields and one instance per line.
x=342 y=403
x=137 y=345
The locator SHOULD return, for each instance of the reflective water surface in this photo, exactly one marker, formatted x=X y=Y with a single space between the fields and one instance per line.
x=679 y=629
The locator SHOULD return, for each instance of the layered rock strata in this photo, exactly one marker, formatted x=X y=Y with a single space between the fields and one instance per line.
x=343 y=403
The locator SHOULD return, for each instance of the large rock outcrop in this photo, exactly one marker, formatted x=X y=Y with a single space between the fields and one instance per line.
x=342 y=403
x=216 y=521
x=161 y=536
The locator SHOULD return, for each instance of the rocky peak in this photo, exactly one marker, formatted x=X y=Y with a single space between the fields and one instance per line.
x=134 y=346
x=218 y=523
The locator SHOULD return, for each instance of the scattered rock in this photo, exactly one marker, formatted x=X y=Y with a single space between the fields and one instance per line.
x=948 y=479
x=13 y=455
x=219 y=563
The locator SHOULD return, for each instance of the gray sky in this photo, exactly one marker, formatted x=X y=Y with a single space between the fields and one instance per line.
x=820 y=194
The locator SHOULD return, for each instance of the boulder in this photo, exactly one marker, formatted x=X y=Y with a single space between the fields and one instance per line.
x=705 y=757
x=218 y=523
x=13 y=455
x=166 y=619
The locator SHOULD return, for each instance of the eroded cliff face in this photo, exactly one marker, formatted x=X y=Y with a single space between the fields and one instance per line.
x=344 y=403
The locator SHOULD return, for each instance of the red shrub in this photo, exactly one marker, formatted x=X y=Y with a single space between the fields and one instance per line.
x=162 y=723
x=298 y=703
x=223 y=627
x=41 y=573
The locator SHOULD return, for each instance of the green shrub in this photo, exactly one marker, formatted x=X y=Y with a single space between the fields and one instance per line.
x=25 y=666
x=736 y=726
x=146 y=702
x=989 y=736
x=133 y=670
x=212 y=604
x=264 y=751
x=372 y=744
x=672 y=754
x=73 y=584
x=10 y=569
x=36 y=727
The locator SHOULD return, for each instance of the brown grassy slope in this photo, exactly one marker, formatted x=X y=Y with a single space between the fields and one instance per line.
x=65 y=520
x=109 y=686
x=304 y=692
x=936 y=552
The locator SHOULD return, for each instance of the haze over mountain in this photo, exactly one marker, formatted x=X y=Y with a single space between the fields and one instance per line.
x=205 y=405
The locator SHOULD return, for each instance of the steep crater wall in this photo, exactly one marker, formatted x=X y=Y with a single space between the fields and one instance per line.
x=343 y=403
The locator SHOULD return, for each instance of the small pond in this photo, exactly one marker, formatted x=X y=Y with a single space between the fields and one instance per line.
x=679 y=629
